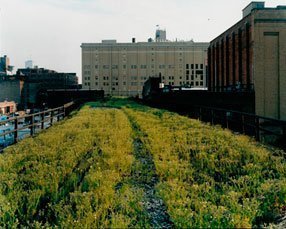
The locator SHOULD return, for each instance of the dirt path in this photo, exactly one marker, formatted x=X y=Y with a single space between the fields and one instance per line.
x=144 y=176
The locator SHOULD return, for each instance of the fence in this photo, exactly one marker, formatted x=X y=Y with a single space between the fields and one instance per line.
x=16 y=128
x=264 y=129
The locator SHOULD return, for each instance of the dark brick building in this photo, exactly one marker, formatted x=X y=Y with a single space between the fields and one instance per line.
x=37 y=80
x=251 y=56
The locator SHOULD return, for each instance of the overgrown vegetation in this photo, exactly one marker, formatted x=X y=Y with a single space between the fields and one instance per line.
x=81 y=173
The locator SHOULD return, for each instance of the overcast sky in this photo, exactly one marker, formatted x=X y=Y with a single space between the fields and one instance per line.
x=50 y=31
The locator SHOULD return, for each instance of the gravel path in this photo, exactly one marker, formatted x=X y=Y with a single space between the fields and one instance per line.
x=144 y=176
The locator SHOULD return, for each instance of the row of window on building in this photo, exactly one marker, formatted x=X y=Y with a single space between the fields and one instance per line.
x=182 y=83
x=143 y=66
x=106 y=78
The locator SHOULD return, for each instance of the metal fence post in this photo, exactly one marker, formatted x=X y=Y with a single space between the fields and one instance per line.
x=58 y=114
x=227 y=121
x=212 y=116
x=16 y=130
x=52 y=117
x=42 y=119
x=284 y=136
x=32 y=125
x=257 y=127
x=243 y=126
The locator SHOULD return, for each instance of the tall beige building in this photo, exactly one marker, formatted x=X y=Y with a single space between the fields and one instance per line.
x=122 y=68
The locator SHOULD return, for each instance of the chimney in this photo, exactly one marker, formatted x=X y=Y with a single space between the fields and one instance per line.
x=133 y=40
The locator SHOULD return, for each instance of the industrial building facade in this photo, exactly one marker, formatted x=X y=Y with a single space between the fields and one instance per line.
x=36 y=80
x=251 y=56
x=122 y=68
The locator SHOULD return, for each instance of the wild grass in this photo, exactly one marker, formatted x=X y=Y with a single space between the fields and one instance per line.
x=210 y=177
x=67 y=175
x=79 y=173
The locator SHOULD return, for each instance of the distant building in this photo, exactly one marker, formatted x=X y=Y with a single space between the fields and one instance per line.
x=7 y=108
x=250 y=56
x=5 y=67
x=10 y=89
x=37 y=80
x=29 y=64
x=122 y=68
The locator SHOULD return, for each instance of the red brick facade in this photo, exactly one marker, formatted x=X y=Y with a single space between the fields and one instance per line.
x=230 y=59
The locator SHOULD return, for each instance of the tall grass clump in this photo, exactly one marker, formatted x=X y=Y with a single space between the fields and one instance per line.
x=210 y=177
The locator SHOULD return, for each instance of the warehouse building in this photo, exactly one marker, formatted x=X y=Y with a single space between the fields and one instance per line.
x=251 y=56
x=122 y=68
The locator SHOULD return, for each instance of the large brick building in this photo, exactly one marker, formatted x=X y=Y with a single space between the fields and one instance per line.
x=122 y=68
x=251 y=55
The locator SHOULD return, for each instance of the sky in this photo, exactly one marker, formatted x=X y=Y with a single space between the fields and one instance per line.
x=50 y=32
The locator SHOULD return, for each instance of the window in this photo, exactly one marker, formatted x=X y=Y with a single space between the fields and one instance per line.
x=187 y=66
x=124 y=66
x=134 y=77
x=124 y=83
x=162 y=66
x=201 y=83
x=202 y=66
x=202 y=77
x=133 y=66
x=192 y=66
x=96 y=83
x=133 y=83
x=96 y=66
x=86 y=67
x=188 y=72
x=197 y=83
x=187 y=77
x=197 y=66
x=105 y=66
x=143 y=66
x=114 y=66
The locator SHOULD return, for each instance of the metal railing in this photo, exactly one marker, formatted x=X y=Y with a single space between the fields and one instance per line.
x=267 y=130
x=16 y=128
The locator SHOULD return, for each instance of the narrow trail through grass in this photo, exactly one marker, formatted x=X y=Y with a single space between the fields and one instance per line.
x=144 y=176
